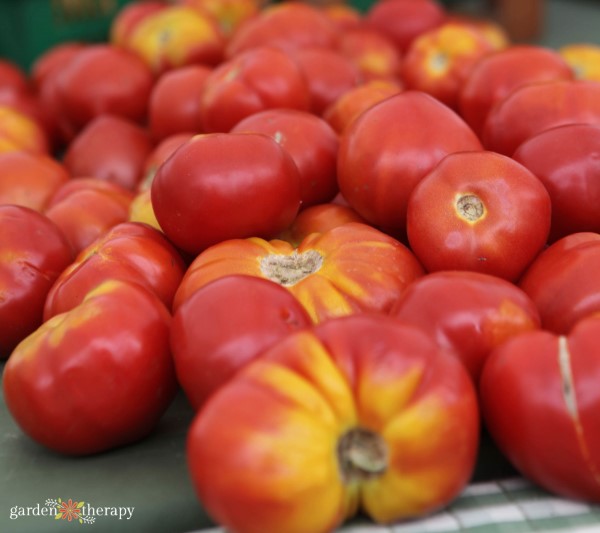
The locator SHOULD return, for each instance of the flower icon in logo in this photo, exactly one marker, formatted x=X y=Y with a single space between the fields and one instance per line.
x=69 y=510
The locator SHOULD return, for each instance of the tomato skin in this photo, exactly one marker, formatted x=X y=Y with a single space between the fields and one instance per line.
x=333 y=274
x=224 y=326
x=130 y=251
x=310 y=141
x=540 y=404
x=563 y=281
x=567 y=161
x=34 y=252
x=288 y=412
x=225 y=185
x=388 y=149
x=468 y=313
x=96 y=377
x=479 y=211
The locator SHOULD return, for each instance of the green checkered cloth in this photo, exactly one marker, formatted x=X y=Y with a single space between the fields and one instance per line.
x=508 y=506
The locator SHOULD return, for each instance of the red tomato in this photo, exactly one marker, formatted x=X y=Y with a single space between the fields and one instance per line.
x=403 y=20
x=174 y=105
x=479 y=211
x=499 y=73
x=131 y=252
x=225 y=185
x=86 y=208
x=33 y=253
x=13 y=78
x=540 y=403
x=390 y=147
x=96 y=377
x=259 y=79
x=129 y=16
x=563 y=281
x=52 y=60
x=225 y=325
x=310 y=141
x=30 y=180
x=286 y=25
x=536 y=107
x=467 y=313
x=110 y=148
x=160 y=153
x=359 y=414
x=567 y=161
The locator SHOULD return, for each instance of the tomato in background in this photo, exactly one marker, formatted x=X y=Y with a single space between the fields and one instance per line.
x=540 y=404
x=13 y=78
x=259 y=79
x=310 y=141
x=128 y=17
x=159 y=154
x=563 y=281
x=33 y=253
x=467 y=313
x=225 y=325
x=229 y=14
x=97 y=377
x=479 y=211
x=22 y=131
x=388 y=149
x=566 y=159
x=345 y=426
x=583 y=59
x=225 y=185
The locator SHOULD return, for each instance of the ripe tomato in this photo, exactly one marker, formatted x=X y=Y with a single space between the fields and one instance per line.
x=540 y=403
x=467 y=313
x=390 y=147
x=479 y=211
x=33 y=253
x=310 y=141
x=96 y=377
x=225 y=325
x=334 y=273
x=356 y=414
x=225 y=185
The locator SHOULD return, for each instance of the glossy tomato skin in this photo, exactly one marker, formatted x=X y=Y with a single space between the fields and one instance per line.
x=334 y=273
x=388 y=149
x=261 y=78
x=467 y=313
x=34 y=252
x=225 y=185
x=567 y=161
x=479 y=211
x=563 y=281
x=130 y=251
x=296 y=408
x=311 y=142
x=96 y=377
x=224 y=326
x=540 y=403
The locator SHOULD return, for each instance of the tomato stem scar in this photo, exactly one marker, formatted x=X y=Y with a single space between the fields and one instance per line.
x=362 y=454
x=287 y=270
x=470 y=207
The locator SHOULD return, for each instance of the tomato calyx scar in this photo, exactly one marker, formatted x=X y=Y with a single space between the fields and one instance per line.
x=362 y=454
x=287 y=270
x=470 y=207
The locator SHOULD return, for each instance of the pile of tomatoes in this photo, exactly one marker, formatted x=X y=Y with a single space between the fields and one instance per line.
x=352 y=239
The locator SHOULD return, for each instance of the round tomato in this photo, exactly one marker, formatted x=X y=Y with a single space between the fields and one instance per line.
x=479 y=211
x=223 y=186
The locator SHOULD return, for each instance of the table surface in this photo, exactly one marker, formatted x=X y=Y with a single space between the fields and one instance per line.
x=151 y=476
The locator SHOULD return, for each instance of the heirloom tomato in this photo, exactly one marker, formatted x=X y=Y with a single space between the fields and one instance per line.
x=33 y=253
x=96 y=377
x=129 y=16
x=468 y=313
x=583 y=59
x=225 y=185
x=229 y=14
x=22 y=131
x=540 y=403
x=226 y=324
x=563 y=281
x=566 y=159
x=130 y=251
x=349 y=269
x=311 y=142
x=388 y=149
x=358 y=414
x=479 y=211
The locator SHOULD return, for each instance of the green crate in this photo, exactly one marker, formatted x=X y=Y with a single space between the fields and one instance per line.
x=30 y=27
